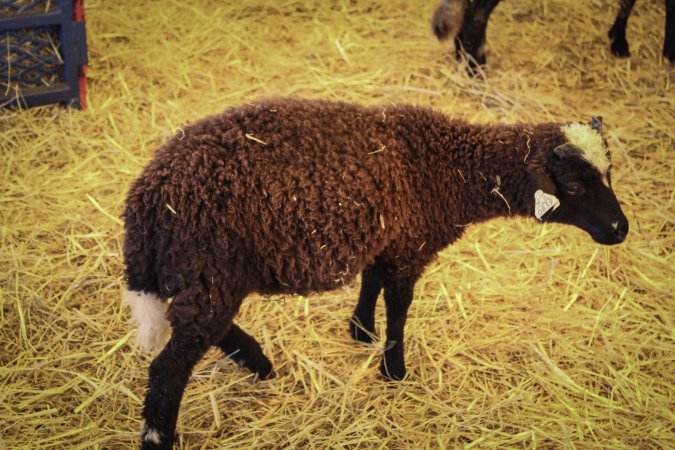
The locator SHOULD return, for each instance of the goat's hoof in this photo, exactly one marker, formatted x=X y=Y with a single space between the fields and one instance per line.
x=620 y=48
x=474 y=64
x=475 y=70
x=669 y=53
x=360 y=332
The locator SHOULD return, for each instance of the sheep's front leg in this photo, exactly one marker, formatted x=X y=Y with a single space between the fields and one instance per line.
x=362 y=323
x=169 y=374
x=246 y=351
x=398 y=295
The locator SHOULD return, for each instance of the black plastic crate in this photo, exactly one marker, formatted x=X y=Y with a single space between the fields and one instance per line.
x=43 y=52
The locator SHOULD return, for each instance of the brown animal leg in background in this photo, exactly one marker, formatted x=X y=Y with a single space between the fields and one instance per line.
x=398 y=294
x=669 y=39
x=617 y=34
x=362 y=323
x=246 y=351
x=470 y=42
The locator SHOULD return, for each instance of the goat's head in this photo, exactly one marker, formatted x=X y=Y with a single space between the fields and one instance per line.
x=576 y=189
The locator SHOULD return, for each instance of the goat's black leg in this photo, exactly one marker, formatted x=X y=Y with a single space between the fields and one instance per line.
x=470 y=42
x=362 y=323
x=169 y=374
x=617 y=34
x=669 y=39
x=398 y=294
x=246 y=351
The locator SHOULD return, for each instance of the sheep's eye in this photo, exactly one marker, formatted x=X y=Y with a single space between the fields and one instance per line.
x=574 y=188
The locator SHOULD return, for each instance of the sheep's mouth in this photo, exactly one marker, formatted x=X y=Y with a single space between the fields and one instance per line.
x=607 y=238
x=602 y=238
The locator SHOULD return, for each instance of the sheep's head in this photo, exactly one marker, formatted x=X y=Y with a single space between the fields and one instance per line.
x=576 y=188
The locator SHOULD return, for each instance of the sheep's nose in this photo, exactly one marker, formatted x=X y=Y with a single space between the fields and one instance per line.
x=620 y=229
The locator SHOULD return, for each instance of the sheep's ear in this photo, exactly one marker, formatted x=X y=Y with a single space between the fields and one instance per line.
x=567 y=150
x=543 y=182
x=596 y=123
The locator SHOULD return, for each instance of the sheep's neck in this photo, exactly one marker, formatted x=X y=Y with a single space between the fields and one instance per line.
x=487 y=175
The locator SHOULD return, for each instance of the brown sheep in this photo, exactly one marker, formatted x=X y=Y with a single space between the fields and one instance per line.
x=300 y=196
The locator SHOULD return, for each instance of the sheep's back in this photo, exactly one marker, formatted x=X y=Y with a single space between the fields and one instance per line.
x=311 y=192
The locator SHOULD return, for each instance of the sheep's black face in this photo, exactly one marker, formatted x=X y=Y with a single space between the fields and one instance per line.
x=586 y=198
x=582 y=185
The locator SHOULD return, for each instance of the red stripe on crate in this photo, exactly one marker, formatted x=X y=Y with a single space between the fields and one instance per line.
x=78 y=7
x=82 y=80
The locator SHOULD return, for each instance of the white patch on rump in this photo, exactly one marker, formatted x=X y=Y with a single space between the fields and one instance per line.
x=590 y=141
x=148 y=311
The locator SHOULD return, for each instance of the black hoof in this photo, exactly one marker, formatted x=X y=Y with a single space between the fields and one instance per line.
x=620 y=48
x=360 y=332
x=152 y=439
x=392 y=372
x=669 y=53
x=475 y=69
x=261 y=367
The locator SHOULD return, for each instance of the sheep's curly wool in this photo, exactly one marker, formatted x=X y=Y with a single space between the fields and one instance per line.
x=299 y=196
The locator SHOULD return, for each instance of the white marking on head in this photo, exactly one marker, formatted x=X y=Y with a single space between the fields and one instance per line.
x=148 y=311
x=615 y=225
x=590 y=141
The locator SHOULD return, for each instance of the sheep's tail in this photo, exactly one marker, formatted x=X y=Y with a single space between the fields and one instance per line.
x=148 y=311
x=448 y=18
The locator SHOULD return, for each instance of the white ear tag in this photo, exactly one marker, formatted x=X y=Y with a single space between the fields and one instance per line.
x=544 y=203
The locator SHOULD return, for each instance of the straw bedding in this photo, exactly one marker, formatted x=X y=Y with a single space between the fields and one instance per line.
x=520 y=335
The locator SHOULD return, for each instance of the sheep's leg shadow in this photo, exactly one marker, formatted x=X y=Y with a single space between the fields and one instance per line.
x=398 y=294
x=669 y=39
x=617 y=34
x=246 y=351
x=470 y=42
x=362 y=323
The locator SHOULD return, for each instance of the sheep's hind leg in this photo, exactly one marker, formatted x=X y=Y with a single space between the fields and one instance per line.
x=362 y=323
x=245 y=350
x=197 y=322
x=169 y=374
